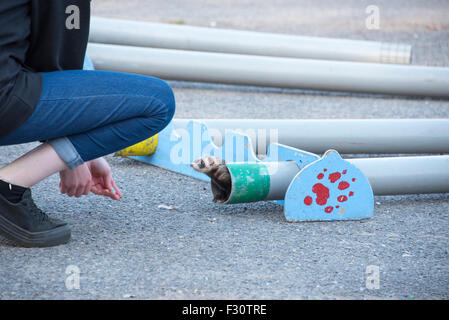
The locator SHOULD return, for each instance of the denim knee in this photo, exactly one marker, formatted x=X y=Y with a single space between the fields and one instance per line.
x=170 y=103
x=167 y=106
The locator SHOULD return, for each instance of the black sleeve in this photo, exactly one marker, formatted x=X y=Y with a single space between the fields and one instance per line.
x=59 y=34
x=14 y=33
x=37 y=36
x=19 y=87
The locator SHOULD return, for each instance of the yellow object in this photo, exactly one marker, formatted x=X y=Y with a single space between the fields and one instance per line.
x=144 y=148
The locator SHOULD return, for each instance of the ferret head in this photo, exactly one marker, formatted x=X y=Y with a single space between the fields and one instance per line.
x=205 y=164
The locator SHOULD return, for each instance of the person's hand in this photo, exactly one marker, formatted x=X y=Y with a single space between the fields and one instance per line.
x=102 y=182
x=76 y=182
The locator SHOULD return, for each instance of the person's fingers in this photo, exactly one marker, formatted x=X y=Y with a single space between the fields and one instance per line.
x=110 y=186
x=62 y=188
x=83 y=188
x=72 y=188
x=117 y=189
x=99 y=189
x=108 y=183
x=104 y=187
x=104 y=192
x=112 y=195
x=87 y=188
x=94 y=190
x=71 y=191
x=109 y=193
x=79 y=191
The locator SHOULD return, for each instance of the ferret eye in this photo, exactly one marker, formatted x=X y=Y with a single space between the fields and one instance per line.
x=202 y=164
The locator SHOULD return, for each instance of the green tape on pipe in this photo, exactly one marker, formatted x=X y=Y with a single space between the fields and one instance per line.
x=250 y=182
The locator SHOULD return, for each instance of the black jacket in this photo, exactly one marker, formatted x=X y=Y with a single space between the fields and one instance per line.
x=36 y=36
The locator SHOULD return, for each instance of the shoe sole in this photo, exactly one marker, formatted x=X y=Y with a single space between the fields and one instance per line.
x=50 y=238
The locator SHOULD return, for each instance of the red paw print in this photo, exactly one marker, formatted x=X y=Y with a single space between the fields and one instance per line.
x=322 y=192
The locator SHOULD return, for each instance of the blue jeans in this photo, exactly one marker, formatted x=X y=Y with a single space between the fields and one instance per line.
x=86 y=114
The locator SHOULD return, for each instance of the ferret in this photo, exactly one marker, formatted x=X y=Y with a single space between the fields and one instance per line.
x=218 y=172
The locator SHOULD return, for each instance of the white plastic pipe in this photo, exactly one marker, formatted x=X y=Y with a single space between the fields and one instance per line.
x=406 y=175
x=158 y=35
x=272 y=71
x=346 y=136
x=387 y=176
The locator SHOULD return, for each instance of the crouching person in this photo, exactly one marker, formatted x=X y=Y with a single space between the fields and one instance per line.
x=79 y=115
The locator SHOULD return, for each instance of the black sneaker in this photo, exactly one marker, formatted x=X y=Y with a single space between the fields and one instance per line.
x=27 y=225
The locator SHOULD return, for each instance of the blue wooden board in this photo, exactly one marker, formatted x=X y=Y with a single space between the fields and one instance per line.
x=311 y=196
x=329 y=189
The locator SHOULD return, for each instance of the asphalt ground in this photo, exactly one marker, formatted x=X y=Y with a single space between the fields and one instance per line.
x=132 y=249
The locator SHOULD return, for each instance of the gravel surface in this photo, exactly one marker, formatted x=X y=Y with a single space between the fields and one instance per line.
x=131 y=249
